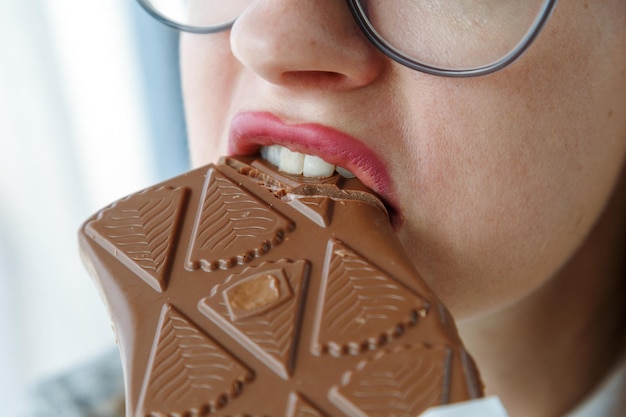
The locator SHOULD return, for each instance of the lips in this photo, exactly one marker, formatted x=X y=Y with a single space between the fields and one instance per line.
x=250 y=131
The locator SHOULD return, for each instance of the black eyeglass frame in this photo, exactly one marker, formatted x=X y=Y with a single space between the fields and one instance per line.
x=360 y=16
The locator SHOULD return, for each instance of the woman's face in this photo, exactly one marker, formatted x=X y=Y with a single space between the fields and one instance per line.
x=496 y=180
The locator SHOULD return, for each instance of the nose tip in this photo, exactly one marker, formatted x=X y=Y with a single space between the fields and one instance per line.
x=304 y=44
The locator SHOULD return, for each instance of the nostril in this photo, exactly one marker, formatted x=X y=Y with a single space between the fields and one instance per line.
x=322 y=80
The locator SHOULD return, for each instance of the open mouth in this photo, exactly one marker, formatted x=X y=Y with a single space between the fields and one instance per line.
x=312 y=151
x=297 y=163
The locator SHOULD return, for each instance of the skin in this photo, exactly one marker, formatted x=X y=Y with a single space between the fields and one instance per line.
x=514 y=205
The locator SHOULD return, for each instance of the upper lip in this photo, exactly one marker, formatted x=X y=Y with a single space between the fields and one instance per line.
x=251 y=130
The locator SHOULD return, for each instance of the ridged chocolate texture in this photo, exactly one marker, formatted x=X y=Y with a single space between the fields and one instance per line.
x=236 y=290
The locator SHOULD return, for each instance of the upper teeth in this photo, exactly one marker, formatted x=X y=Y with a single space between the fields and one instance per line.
x=301 y=164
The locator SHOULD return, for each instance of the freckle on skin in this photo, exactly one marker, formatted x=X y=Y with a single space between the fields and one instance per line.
x=610 y=113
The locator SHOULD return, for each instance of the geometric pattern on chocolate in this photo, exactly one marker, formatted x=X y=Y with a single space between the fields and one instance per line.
x=188 y=373
x=140 y=231
x=360 y=307
x=318 y=209
x=261 y=307
x=301 y=407
x=230 y=218
x=402 y=383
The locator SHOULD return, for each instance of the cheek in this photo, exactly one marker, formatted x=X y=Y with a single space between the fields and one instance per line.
x=511 y=171
x=209 y=75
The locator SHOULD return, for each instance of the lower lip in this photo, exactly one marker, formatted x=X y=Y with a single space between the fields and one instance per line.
x=251 y=130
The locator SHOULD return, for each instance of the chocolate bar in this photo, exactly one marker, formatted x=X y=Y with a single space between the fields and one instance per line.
x=237 y=290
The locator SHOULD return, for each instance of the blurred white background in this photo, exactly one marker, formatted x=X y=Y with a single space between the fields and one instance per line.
x=89 y=112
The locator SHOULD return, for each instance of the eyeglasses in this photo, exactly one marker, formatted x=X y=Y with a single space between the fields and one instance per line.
x=454 y=38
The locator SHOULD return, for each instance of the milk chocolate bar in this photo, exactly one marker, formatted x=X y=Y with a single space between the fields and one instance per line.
x=236 y=290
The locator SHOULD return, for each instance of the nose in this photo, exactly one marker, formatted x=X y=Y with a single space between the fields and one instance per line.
x=305 y=44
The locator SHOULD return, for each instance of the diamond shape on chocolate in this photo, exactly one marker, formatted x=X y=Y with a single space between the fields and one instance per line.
x=140 y=231
x=401 y=383
x=232 y=226
x=187 y=369
x=360 y=306
x=269 y=327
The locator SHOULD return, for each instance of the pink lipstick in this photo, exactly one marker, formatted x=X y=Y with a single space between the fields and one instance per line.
x=251 y=130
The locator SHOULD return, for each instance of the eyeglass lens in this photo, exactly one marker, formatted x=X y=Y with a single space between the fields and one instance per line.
x=453 y=34
x=199 y=13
